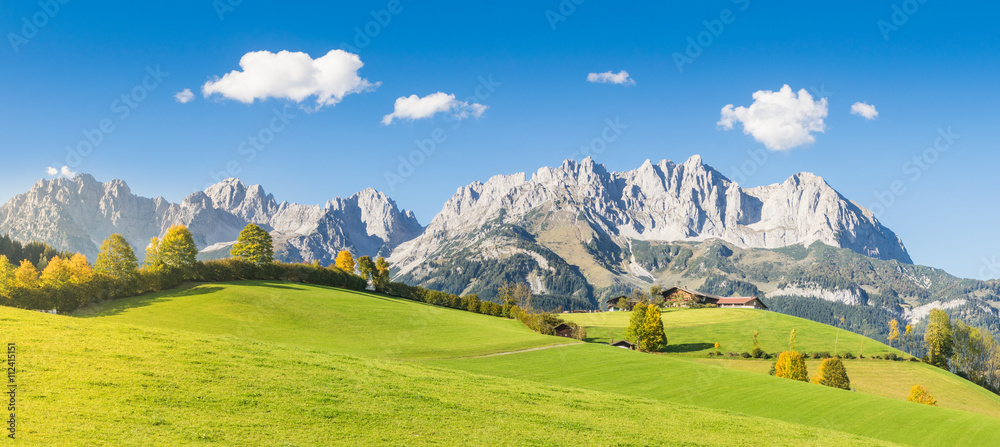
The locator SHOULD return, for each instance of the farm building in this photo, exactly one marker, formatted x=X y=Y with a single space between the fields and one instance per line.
x=682 y=296
x=613 y=303
x=624 y=344
x=750 y=302
x=564 y=330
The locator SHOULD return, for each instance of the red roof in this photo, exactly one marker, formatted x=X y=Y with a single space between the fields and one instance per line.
x=736 y=300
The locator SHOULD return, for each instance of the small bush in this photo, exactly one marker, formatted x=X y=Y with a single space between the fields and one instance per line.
x=849 y=356
x=758 y=353
x=825 y=355
x=732 y=355
x=746 y=355
x=815 y=356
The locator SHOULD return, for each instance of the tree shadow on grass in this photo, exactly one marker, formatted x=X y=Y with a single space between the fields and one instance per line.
x=120 y=305
x=688 y=347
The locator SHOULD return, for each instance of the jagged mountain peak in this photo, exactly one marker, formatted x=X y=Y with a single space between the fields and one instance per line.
x=78 y=214
x=665 y=201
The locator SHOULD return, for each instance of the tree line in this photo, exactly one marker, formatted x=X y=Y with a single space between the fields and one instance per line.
x=67 y=281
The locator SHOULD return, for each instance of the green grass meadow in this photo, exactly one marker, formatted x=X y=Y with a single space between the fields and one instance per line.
x=694 y=332
x=272 y=363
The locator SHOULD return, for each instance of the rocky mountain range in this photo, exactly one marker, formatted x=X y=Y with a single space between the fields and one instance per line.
x=576 y=233
x=590 y=218
x=77 y=214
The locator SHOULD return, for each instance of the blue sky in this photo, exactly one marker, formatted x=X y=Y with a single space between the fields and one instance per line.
x=936 y=71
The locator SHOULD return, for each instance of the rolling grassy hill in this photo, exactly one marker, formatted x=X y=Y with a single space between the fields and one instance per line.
x=92 y=381
x=694 y=332
x=289 y=363
x=684 y=381
x=323 y=318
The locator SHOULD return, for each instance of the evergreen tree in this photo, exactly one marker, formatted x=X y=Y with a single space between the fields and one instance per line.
x=344 y=261
x=833 y=374
x=938 y=338
x=254 y=245
x=177 y=249
x=791 y=365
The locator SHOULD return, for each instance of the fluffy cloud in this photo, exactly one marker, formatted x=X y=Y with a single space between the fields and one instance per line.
x=865 y=110
x=60 y=172
x=293 y=76
x=611 y=78
x=414 y=107
x=780 y=120
x=184 y=96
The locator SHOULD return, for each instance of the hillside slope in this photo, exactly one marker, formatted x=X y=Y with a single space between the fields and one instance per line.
x=692 y=334
x=94 y=382
x=601 y=369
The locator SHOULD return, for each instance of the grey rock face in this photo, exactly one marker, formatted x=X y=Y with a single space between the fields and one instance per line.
x=78 y=214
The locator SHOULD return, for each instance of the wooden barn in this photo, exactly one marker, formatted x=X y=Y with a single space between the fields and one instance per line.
x=748 y=302
x=682 y=296
x=624 y=344
x=564 y=330
x=612 y=303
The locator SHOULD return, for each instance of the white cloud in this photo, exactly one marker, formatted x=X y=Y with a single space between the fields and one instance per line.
x=414 y=107
x=611 y=78
x=184 y=96
x=293 y=76
x=60 y=172
x=780 y=120
x=866 y=110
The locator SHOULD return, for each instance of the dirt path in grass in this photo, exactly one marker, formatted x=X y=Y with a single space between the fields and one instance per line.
x=521 y=350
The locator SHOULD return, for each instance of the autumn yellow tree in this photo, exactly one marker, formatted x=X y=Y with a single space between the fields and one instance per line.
x=893 y=333
x=26 y=276
x=57 y=273
x=153 y=253
x=6 y=277
x=117 y=262
x=344 y=261
x=80 y=271
x=920 y=395
x=177 y=249
x=254 y=245
x=908 y=334
x=832 y=373
x=382 y=275
x=367 y=267
x=654 y=338
x=791 y=365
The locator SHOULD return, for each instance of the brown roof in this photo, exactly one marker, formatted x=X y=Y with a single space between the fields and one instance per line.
x=562 y=326
x=623 y=343
x=671 y=290
x=741 y=300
